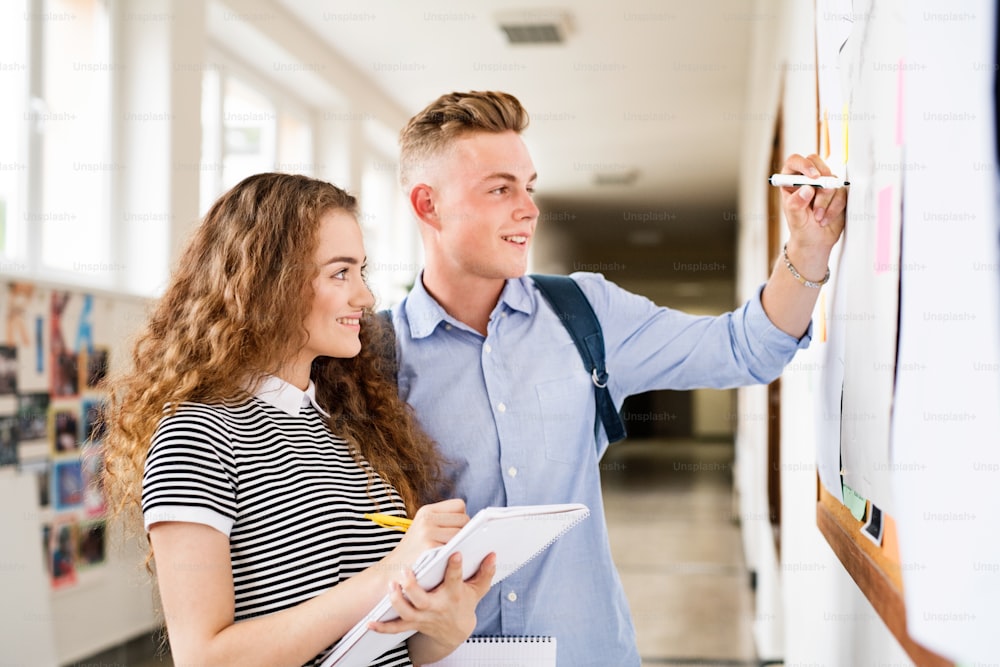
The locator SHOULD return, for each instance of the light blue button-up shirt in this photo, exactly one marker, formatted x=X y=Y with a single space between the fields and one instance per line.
x=514 y=413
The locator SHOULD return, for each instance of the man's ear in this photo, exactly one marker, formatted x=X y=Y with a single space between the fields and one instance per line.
x=422 y=203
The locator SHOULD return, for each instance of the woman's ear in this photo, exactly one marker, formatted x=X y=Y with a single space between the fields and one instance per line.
x=422 y=203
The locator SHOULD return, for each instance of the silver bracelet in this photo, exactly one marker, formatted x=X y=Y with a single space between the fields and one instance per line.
x=798 y=276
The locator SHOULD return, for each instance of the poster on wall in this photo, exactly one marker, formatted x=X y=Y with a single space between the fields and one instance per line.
x=26 y=312
x=90 y=544
x=63 y=358
x=92 y=466
x=64 y=427
x=33 y=426
x=93 y=367
x=9 y=436
x=8 y=379
x=67 y=484
x=60 y=543
x=8 y=440
x=91 y=425
x=39 y=468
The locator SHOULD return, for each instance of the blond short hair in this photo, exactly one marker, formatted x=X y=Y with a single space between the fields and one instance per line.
x=452 y=116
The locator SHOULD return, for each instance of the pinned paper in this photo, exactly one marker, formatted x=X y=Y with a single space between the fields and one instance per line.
x=890 y=540
x=873 y=526
x=883 y=224
x=847 y=124
x=899 y=104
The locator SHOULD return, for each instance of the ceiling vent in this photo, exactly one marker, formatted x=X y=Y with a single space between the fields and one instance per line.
x=534 y=26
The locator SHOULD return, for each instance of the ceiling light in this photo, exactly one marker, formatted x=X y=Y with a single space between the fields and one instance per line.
x=644 y=237
x=689 y=290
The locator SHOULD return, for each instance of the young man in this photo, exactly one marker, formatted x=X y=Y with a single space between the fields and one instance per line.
x=495 y=378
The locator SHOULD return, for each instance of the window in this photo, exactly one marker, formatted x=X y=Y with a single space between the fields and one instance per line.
x=248 y=127
x=55 y=167
x=70 y=111
x=13 y=137
x=390 y=233
x=295 y=141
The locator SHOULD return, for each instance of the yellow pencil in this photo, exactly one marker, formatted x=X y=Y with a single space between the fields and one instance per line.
x=390 y=521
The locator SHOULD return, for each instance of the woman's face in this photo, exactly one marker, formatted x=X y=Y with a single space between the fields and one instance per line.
x=340 y=292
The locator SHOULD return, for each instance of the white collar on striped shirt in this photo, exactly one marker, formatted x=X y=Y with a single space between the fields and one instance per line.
x=288 y=398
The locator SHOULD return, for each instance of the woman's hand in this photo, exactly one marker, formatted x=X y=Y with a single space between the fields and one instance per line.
x=445 y=616
x=433 y=525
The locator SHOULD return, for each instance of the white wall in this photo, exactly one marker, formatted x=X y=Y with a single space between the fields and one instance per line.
x=751 y=402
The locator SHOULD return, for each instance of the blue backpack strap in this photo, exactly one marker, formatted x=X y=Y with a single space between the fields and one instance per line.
x=575 y=312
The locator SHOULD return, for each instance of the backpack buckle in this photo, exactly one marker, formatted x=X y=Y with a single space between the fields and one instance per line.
x=600 y=381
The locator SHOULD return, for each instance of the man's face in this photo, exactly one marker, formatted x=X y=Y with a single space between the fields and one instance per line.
x=483 y=189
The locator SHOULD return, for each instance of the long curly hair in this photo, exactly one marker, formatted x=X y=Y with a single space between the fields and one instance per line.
x=234 y=312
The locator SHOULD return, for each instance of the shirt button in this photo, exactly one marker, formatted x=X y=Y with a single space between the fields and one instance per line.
x=512 y=596
x=487 y=348
x=447 y=327
x=501 y=407
x=512 y=471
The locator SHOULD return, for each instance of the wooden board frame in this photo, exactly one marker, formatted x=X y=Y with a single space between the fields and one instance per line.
x=879 y=578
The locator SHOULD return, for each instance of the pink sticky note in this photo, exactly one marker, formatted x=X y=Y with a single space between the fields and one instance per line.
x=882 y=229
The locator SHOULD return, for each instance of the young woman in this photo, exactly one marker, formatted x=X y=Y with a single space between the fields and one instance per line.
x=253 y=488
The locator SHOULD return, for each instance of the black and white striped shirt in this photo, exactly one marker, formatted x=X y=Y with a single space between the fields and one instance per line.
x=269 y=474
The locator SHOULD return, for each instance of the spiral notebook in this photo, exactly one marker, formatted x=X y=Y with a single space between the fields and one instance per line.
x=502 y=652
x=516 y=534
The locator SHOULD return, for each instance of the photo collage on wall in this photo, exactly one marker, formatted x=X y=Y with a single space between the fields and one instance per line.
x=50 y=405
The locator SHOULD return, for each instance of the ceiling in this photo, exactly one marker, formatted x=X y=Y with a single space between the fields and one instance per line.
x=647 y=92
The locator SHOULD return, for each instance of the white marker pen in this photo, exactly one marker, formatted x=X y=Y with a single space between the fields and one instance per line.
x=796 y=180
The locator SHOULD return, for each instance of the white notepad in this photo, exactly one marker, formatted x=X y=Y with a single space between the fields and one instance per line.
x=516 y=534
x=502 y=652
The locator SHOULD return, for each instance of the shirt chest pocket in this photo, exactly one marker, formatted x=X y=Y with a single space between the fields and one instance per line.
x=563 y=408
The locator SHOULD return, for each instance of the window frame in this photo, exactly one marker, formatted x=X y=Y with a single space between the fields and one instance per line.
x=223 y=63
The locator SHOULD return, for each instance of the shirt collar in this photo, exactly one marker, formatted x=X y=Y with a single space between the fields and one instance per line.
x=286 y=397
x=516 y=295
x=424 y=313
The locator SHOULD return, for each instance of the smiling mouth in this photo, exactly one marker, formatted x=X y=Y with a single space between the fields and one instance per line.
x=516 y=239
x=350 y=321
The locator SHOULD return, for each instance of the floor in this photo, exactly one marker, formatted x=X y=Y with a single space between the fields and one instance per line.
x=670 y=512
x=670 y=517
